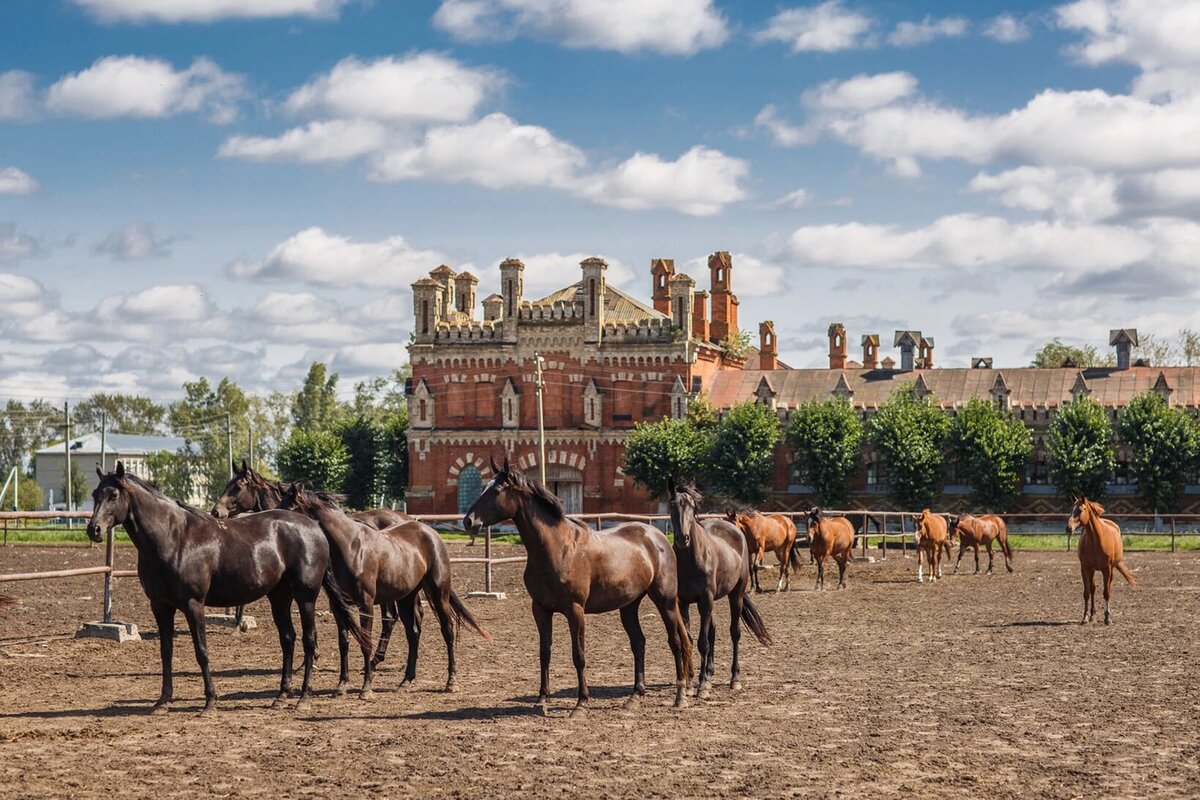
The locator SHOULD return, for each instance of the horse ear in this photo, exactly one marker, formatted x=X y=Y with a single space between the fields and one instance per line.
x=245 y=467
x=99 y=472
x=120 y=469
x=492 y=463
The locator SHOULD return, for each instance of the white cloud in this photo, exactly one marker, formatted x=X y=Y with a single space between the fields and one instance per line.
x=16 y=245
x=752 y=277
x=823 y=28
x=673 y=27
x=797 y=198
x=1149 y=33
x=1070 y=193
x=549 y=272
x=332 y=140
x=16 y=181
x=136 y=241
x=132 y=86
x=701 y=182
x=495 y=151
x=317 y=257
x=206 y=10
x=783 y=132
x=420 y=87
x=16 y=95
x=22 y=297
x=167 y=303
x=369 y=359
x=862 y=92
x=1007 y=29
x=910 y=34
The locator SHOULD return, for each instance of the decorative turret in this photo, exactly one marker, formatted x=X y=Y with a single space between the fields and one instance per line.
x=512 y=288
x=593 y=297
x=661 y=272
x=699 y=315
x=428 y=303
x=445 y=278
x=837 y=346
x=768 y=348
x=907 y=341
x=1124 y=339
x=682 y=294
x=870 y=348
x=724 y=302
x=493 y=307
x=464 y=294
x=925 y=353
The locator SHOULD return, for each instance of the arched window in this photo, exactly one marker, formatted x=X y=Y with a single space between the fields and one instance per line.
x=470 y=486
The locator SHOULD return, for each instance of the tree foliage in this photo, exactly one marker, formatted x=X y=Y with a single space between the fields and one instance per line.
x=26 y=427
x=394 y=457
x=1164 y=443
x=173 y=473
x=993 y=448
x=1081 y=450
x=1057 y=353
x=362 y=438
x=657 y=454
x=122 y=413
x=827 y=436
x=742 y=458
x=200 y=419
x=74 y=484
x=315 y=406
x=701 y=414
x=317 y=456
x=909 y=432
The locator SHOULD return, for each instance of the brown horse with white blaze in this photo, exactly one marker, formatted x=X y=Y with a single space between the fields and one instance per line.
x=830 y=536
x=933 y=537
x=973 y=531
x=574 y=571
x=1100 y=550
x=764 y=532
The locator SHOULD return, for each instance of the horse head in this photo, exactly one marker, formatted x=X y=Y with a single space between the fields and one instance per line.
x=503 y=496
x=683 y=502
x=110 y=503
x=243 y=493
x=1079 y=514
x=813 y=518
x=952 y=521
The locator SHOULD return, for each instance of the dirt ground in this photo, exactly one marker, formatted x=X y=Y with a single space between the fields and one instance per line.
x=973 y=687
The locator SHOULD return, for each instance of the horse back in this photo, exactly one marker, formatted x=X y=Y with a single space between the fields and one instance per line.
x=623 y=563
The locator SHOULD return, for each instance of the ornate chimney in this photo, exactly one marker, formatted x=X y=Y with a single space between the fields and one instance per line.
x=837 y=346
x=724 y=302
x=661 y=272
x=870 y=348
x=907 y=341
x=768 y=348
x=1124 y=339
x=925 y=359
x=593 y=297
x=464 y=294
x=682 y=295
x=512 y=287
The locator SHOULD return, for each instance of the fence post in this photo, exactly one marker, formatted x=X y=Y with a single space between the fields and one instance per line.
x=108 y=576
x=866 y=527
x=903 y=538
x=1172 y=533
x=487 y=553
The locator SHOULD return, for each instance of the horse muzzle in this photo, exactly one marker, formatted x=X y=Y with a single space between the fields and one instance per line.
x=471 y=522
x=93 y=532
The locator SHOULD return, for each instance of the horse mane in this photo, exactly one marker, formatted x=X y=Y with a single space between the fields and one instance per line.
x=691 y=493
x=311 y=500
x=547 y=500
x=157 y=492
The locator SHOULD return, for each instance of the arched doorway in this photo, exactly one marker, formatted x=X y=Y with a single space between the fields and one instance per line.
x=567 y=483
x=470 y=486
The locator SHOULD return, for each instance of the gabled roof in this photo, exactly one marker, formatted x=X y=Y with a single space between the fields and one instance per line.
x=1123 y=335
x=618 y=306
x=118 y=444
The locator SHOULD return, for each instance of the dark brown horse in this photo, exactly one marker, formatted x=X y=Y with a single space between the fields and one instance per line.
x=1100 y=550
x=774 y=532
x=574 y=571
x=830 y=536
x=714 y=562
x=248 y=491
x=187 y=560
x=390 y=566
x=983 y=530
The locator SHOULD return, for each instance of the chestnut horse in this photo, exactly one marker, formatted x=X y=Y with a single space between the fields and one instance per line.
x=574 y=571
x=932 y=538
x=714 y=562
x=1100 y=548
x=187 y=559
x=973 y=531
x=830 y=536
x=768 y=532
x=390 y=566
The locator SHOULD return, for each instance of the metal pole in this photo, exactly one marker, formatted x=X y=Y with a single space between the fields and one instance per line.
x=487 y=553
x=541 y=419
x=69 y=483
x=250 y=445
x=229 y=444
x=110 y=537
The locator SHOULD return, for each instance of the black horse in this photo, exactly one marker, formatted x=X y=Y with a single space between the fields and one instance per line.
x=188 y=559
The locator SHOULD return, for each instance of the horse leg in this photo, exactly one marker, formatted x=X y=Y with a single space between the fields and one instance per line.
x=1107 y=573
x=920 y=574
x=281 y=613
x=976 y=547
x=410 y=617
x=1088 y=588
x=686 y=615
x=194 y=613
x=962 y=548
x=704 y=606
x=781 y=555
x=439 y=598
x=387 y=616
x=991 y=556
x=820 y=573
x=164 y=617
x=737 y=599
x=544 y=618
x=637 y=643
x=343 y=660
x=677 y=639
x=576 y=623
x=308 y=633
x=759 y=555
x=366 y=614
x=712 y=647
x=843 y=562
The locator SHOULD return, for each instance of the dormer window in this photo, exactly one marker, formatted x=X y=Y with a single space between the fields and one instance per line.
x=593 y=405
x=510 y=405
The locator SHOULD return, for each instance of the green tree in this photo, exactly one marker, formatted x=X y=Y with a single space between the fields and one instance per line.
x=317 y=456
x=1081 y=450
x=362 y=439
x=315 y=406
x=992 y=448
x=909 y=432
x=126 y=413
x=29 y=493
x=657 y=454
x=75 y=484
x=1164 y=443
x=379 y=399
x=827 y=436
x=26 y=427
x=1057 y=353
x=393 y=464
x=200 y=419
x=742 y=457
x=270 y=423
x=701 y=414
x=173 y=473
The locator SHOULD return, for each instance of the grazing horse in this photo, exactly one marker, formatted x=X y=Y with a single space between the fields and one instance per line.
x=1100 y=548
x=714 y=562
x=932 y=537
x=574 y=571
x=768 y=532
x=390 y=566
x=973 y=531
x=188 y=559
x=830 y=536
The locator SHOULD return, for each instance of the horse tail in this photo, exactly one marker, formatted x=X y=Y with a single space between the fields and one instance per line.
x=754 y=621
x=794 y=555
x=342 y=613
x=1004 y=543
x=1125 y=573
x=463 y=614
x=7 y=600
x=685 y=641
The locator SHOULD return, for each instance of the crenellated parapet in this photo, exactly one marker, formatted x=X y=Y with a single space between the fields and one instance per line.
x=647 y=330
x=556 y=311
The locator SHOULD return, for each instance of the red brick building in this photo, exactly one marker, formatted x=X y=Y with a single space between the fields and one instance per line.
x=609 y=362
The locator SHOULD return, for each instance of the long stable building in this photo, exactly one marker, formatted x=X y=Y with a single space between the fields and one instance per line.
x=610 y=361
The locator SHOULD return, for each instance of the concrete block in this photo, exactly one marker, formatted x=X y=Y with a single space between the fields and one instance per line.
x=118 y=632
x=487 y=595
x=230 y=621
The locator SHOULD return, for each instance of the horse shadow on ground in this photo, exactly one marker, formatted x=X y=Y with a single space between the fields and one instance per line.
x=1031 y=623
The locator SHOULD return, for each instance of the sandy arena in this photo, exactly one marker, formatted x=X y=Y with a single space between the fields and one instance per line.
x=973 y=687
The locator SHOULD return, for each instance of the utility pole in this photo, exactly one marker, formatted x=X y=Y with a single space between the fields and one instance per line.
x=69 y=484
x=541 y=418
x=111 y=535
x=229 y=444
x=250 y=445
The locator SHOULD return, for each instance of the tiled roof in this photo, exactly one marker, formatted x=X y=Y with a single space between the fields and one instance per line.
x=1028 y=386
x=118 y=444
x=618 y=306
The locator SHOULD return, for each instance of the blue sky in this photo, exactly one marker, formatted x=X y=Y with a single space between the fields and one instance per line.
x=210 y=187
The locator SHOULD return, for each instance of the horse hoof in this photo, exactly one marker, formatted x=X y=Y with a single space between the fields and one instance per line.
x=279 y=699
x=735 y=686
x=209 y=710
x=159 y=708
x=680 y=701
x=633 y=701
x=376 y=661
x=578 y=712
x=304 y=706
x=341 y=689
x=450 y=687
x=541 y=709
x=366 y=694
x=703 y=692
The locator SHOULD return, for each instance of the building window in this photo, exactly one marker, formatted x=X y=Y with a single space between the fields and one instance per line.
x=1122 y=474
x=877 y=474
x=797 y=474
x=1038 y=472
x=509 y=295
x=424 y=316
x=424 y=415
x=470 y=486
x=592 y=297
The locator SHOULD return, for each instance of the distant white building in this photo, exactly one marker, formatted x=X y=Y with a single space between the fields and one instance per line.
x=132 y=451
